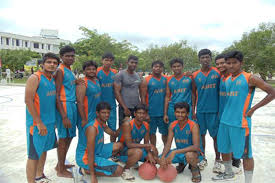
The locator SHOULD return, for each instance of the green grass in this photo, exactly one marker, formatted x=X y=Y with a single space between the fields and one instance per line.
x=271 y=82
x=20 y=81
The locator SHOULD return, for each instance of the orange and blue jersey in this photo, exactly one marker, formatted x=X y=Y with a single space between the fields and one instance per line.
x=67 y=92
x=92 y=98
x=183 y=135
x=137 y=133
x=44 y=101
x=106 y=80
x=207 y=90
x=239 y=99
x=155 y=95
x=222 y=96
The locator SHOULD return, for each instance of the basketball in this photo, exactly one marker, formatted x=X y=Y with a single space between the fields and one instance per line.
x=147 y=171
x=168 y=174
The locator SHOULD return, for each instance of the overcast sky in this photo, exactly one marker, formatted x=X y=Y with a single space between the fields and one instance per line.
x=213 y=24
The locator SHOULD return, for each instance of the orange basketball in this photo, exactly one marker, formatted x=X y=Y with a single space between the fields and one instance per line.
x=147 y=171
x=168 y=174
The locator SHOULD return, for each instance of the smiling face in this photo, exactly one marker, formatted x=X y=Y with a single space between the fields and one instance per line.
x=90 y=71
x=221 y=65
x=107 y=62
x=205 y=60
x=181 y=114
x=177 y=68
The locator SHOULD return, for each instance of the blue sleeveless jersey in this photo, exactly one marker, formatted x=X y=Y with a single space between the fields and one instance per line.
x=239 y=99
x=207 y=90
x=155 y=95
x=44 y=101
x=181 y=90
x=183 y=136
x=222 y=98
x=92 y=98
x=67 y=92
x=106 y=81
x=137 y=133
x=81 y=150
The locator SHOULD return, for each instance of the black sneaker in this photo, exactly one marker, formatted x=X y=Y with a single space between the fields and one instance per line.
x=236 y=162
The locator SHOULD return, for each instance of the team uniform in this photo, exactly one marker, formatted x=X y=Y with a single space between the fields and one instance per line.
x=235 y=129
x=91 y=99
x=137 y=135
x=183 y=139
x=68 y=102
x=106 y=81
x=45 y=105
x=181 y=91
x=101 y=154
x=155 y=101
x=207 y=100
x=222 y=98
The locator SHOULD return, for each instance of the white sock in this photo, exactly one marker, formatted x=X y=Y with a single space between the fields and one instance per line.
x=228 y=167
x=248 y=176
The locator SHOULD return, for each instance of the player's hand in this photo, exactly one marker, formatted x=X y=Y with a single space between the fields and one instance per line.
x=42 y=129
x=170 y=158
x=83 y=123
x=67 y=123
x=194 y=116
x=165 y=119
x=163 y=163
x=79 y=81
x=150 y=158
x=250 y=113
x=188 y=73
x=93 y=178
x=127 y=112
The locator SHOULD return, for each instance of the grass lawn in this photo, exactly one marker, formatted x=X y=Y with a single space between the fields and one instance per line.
x=20 y=81
x=272 y=83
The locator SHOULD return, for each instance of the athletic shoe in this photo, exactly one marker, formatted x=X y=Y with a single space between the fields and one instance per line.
x=203 y=163
x=218 y=167
x=224 y=177
x=136 y=166
x=127 y=175
x=114 y=159
x=237 y=171
x=236 y=166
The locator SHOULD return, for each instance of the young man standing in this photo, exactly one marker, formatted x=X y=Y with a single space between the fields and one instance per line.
x=106 y=75
x=234 y=134
x=221 y=66
x=153 y=94
x=40 y=99
x=88 y=94
x=187 y=140
x=66 y=106
x=92 y=154
x=132 y=133
x=207 y=81
x=127 y=89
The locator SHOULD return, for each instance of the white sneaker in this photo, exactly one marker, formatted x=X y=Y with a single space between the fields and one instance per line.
x=127 y=175
x=218 y=167
x=203 y=163
x=237 y=170
x=136 y=166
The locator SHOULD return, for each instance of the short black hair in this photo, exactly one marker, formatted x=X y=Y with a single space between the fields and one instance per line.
x=157 y=62
x=140 y=107
x=49 y=55
x=234 y=54
x=66 y=49
x=89 y=63
x=176 y=60
x=182 y=105
x=132 y=57
x=102 y=105
x=108 y=55
x=220 y=56
x=204 y=52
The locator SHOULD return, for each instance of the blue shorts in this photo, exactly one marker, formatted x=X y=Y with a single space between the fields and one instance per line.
x=37 y=144
x=208 y=121
x=112 y=119
x=180 y=158
x=124 y=155
x=72 y=116
x=171 y=113
x=101 y=162
x=157 y=122
x=235 y=140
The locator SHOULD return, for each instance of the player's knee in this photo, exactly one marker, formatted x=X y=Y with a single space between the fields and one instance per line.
x=118 y=171
x=138 y=153
x=118 y=146
x=191 y=157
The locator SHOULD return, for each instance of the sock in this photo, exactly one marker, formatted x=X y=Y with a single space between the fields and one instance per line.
x=248 y=176
x=228 y=167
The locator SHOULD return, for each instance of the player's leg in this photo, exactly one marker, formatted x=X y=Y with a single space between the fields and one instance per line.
x=134 y=155
x=41 y=164
x=117 y=147
x=248 y=161
x=163 y=129
x=112 y=122
x=192 y=159
x=153 y=130
x=201 y=120
x=31 y=168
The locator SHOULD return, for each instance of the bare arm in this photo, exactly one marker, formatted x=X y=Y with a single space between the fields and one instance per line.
x=166 y=101
x=255 y=81
x=80 y=95
x=143 y=91
x=194 y=99
x=110 y=132
x=30 y=91
x=168 y=144
x=91 y=136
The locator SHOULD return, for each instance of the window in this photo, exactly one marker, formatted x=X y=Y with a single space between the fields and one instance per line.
x=42 y=46
x=49 y=46
x=17 y=42
x=7 y=41
x=26 y=43
x=36 y=45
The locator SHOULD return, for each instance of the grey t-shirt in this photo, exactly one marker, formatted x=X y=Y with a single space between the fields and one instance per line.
x=129 y=87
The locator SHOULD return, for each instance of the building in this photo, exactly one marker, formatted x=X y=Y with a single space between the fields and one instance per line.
x=48 y=41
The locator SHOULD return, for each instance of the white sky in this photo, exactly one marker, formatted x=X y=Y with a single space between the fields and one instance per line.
x=213 y=24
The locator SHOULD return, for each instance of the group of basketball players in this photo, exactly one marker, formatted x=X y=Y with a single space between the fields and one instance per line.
x=182 y=106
